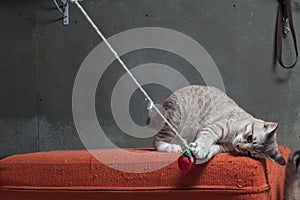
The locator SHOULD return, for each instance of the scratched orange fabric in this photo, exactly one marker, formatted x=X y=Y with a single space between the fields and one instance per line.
x=77 y=175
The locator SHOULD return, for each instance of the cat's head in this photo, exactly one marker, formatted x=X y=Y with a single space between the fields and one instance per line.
x=257 y=139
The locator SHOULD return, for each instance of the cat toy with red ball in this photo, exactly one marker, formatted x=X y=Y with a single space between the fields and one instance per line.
x=186 y=161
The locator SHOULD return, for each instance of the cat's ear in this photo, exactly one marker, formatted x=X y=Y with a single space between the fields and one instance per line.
x=277 y=157
x=270 y=127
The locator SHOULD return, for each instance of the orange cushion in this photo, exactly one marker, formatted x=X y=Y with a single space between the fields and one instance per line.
x=78 y=175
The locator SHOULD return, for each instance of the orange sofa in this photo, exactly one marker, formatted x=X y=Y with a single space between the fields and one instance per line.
x=78 y=175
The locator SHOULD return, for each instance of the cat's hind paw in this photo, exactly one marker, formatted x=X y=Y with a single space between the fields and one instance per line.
x=166 y=147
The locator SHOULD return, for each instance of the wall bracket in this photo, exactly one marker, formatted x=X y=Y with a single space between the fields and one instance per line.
x=66 y=12
x=64 y=9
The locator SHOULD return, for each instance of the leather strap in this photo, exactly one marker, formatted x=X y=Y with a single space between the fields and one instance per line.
x=285 y=24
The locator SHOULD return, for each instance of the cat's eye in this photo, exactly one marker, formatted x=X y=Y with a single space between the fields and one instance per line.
x=249 y=138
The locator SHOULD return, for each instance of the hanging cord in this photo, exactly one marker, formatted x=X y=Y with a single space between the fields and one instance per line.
x=284 y=24
x=151 y=104
x=58 y=7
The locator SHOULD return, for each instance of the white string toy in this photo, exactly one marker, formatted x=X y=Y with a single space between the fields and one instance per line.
x=151 y=104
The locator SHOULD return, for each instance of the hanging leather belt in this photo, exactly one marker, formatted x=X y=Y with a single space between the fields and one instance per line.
x=284 y=25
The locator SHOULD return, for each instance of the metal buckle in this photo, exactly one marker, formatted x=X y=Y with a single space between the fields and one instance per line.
x=285 y=26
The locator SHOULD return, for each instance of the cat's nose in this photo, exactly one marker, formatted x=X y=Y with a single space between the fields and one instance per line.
x=237 y=146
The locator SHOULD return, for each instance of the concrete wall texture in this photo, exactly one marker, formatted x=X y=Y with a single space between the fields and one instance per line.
x=39 y=60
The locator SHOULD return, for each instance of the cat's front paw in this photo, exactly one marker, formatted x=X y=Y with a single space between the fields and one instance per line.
x=199 y=152
x=202 y=161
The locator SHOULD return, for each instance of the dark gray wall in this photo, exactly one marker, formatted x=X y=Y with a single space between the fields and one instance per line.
x=39 y=59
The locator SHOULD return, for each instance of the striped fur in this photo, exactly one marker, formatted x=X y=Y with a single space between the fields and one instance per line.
x=214 y=123
x=292 y=179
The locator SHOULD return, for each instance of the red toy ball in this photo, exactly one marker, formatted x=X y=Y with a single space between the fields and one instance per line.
x=186 y=162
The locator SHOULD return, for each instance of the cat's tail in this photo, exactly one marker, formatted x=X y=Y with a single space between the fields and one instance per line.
x=148 y=121
x=155 y=121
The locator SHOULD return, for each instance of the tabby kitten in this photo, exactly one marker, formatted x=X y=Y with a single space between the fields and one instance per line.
x=214 y=123
x=292 y=179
